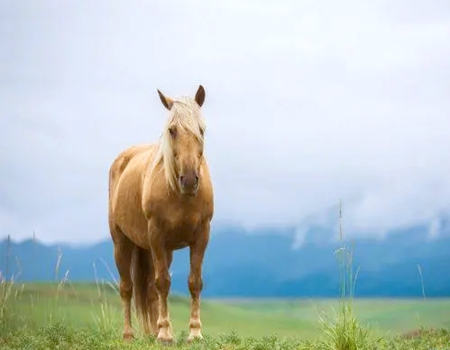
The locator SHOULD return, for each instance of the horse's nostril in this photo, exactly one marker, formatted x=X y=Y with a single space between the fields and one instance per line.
x=189 y=180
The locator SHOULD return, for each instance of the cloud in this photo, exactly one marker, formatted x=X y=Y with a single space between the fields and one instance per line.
x=307 y=103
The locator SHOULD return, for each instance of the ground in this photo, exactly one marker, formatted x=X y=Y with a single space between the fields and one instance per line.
x=88 y=316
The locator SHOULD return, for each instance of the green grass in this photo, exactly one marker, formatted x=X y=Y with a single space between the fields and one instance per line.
x=83 y=316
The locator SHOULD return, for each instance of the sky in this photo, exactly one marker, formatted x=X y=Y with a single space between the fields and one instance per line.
x=307 y=103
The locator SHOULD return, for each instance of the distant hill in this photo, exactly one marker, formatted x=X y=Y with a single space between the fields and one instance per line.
x=262 y=263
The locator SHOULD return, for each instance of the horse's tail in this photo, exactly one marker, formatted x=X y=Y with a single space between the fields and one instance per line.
x=142 y=274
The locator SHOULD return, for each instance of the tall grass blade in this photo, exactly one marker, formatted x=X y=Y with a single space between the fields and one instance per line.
x=342 y=330
x=421 y=281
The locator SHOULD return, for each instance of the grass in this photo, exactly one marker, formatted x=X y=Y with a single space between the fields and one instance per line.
x=344 y=331
x=88 y=316
x=59 y=336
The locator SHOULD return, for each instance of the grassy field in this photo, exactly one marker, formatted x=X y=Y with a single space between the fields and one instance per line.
x=82 y=316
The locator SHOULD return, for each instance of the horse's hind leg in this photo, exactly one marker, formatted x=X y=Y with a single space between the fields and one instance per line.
x=123 y=249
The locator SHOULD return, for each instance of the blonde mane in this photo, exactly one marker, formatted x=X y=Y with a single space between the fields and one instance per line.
x=185 y=113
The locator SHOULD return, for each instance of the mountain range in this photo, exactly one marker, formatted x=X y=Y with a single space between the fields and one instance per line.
x=261 y=263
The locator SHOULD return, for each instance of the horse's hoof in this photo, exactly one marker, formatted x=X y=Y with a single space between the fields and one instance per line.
x=165 y=341
x=194 y=337
x=128 y=337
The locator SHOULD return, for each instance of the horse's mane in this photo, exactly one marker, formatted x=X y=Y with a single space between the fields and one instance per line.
x=185 y=113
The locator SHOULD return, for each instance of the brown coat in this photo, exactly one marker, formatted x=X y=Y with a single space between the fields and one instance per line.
x=161 y=199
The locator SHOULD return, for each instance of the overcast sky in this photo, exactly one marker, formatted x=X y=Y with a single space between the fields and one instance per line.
x=307 y=102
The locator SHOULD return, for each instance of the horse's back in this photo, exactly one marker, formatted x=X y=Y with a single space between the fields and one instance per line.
x=125 y=192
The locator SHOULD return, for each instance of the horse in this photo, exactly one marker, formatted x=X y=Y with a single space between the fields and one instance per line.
x=161 y=200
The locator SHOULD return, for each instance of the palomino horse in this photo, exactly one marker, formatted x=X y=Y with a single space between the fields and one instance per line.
x=161 y=199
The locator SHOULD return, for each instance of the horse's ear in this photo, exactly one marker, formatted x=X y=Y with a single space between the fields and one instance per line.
x=166 y=101
x=200 y=95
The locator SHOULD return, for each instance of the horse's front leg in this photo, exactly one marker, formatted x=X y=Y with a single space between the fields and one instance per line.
x=197 y=251
x=161 y=262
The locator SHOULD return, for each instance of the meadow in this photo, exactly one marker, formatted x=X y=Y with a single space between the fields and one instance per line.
x=88 y=316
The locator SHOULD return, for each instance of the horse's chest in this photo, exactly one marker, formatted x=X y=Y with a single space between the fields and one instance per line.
x=181 y=219
x=179 y=224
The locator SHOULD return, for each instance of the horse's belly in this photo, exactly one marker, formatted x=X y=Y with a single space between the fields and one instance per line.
x=128 y=215
x=134 y=226
x=126 y=194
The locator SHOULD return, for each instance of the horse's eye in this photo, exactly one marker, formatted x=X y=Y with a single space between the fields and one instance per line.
x=173 y=131
x=202 y=132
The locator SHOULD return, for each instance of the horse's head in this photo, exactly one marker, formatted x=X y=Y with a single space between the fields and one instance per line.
x=182 y=142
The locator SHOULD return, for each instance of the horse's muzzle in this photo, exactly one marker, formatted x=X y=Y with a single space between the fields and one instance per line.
x=189 y=183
